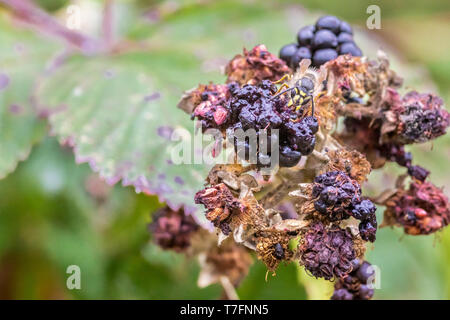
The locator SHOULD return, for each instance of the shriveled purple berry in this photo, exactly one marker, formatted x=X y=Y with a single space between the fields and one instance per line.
x=365 y=293
x=418 y=172
x=342 y=294
x=368 y=230
x=364 y=210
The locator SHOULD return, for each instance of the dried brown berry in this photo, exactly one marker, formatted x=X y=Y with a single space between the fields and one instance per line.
x=219 y=203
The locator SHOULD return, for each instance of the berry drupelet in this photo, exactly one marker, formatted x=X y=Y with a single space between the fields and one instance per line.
x=357 y=285
x=322 y=42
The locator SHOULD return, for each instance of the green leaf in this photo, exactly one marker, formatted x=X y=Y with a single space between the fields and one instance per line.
x=22 y=57
x=118 y=114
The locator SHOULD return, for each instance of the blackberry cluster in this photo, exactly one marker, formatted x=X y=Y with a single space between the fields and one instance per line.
x=422 y=209
x=172 y=229
x=321 y=42
x=355 y=286
x=337 y=196
x=254 y=107
x=231 y=107
x=327 y=252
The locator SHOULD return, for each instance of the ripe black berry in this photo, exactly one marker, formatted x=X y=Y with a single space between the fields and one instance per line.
x=289 y=157
x=328 y=33
x=299 y=55
x=287 y=52
x=335 y=192
x=278 y=251
x=345 y=27
x=350 y=48
x=324 y=39
x=367 y=230
x=331 y=23
x=344 y=37
x=323 y=55
x=305 y=35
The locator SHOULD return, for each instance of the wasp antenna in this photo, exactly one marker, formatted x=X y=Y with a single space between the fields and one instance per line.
x=282 y=92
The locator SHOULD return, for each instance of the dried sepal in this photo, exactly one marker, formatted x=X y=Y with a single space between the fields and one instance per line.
x=351 y=162
x=227 y=260
x=272 y=247
x=232 y=214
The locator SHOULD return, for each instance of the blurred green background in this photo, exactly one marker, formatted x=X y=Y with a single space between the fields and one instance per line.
x=54 y=213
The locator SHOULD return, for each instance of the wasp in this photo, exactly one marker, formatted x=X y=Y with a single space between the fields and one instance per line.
x=303 y=86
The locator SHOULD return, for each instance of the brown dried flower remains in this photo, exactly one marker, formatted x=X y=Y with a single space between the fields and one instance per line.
x=421 y=210
x=254 y=66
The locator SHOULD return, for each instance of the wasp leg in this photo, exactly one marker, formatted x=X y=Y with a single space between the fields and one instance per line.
x=286 y=76
x=283 y=86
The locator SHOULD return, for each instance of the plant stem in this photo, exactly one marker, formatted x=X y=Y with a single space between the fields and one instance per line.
x=31 y=14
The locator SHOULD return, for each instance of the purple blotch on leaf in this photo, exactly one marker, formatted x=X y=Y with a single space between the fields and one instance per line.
x=151 y=97
x=15 y=109
x=4 y=81
x=165 y=132
x=179 y=180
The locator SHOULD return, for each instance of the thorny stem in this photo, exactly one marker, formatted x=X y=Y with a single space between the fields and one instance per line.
x=29 y=13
